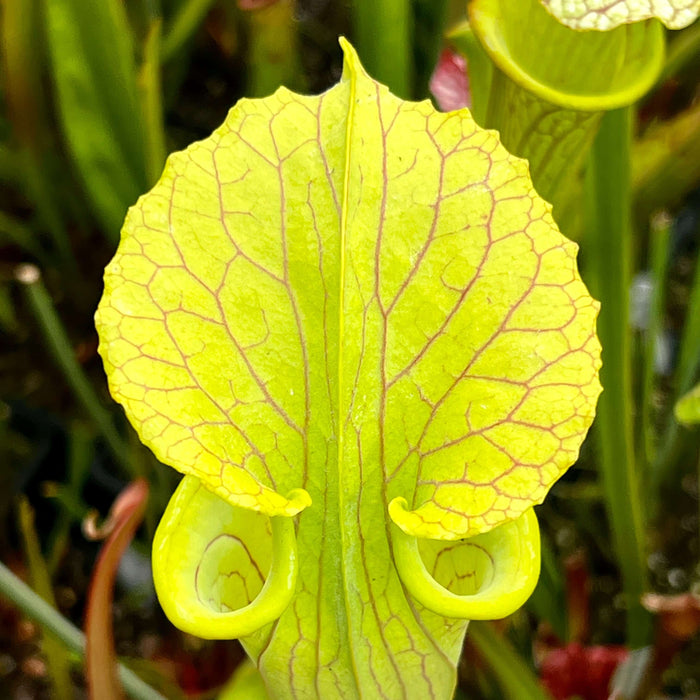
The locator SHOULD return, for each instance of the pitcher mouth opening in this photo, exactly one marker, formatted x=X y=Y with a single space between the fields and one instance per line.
x=639 y=48
x=220 y=571
x=485 y=577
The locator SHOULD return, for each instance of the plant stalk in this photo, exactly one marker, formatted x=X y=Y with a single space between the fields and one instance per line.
x=273 y=57
x=608 y=264
x=384 y=42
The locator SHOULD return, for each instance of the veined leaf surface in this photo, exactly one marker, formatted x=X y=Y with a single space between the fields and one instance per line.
x=359 y=308
x=604 y=15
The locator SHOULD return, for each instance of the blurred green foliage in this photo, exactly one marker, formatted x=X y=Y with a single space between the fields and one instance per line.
x=94 y=93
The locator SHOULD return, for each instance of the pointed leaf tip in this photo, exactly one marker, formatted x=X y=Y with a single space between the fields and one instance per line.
x=352 y=66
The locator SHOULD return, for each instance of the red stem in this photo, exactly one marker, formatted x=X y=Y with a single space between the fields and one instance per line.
x=101 y=659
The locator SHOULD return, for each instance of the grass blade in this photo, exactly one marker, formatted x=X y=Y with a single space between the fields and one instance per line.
x=689 y=353
x=668 y=464
x=80 y=453
x=26 y=107
x=180 y=29
x=666 y=163
x=608 y=267
x=35 y=607
x=548 y=601
x=429 y=20
x=56 y=656
x=150 y=93
x=16 y=231
x=98 y=104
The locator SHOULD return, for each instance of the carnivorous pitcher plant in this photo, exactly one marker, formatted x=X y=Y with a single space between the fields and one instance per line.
x=354 y=326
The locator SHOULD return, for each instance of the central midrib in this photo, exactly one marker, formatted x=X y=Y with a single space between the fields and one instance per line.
x=341 y=350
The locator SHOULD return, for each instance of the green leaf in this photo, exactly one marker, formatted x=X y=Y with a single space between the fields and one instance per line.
x=604 y=15
x=34 y=168
x=355 y=309
x=97 y=102
x=687 y=409
x=189 y=16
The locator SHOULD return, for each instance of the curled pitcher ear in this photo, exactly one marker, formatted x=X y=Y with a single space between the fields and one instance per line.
x=485 y=577
x=222 y=572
